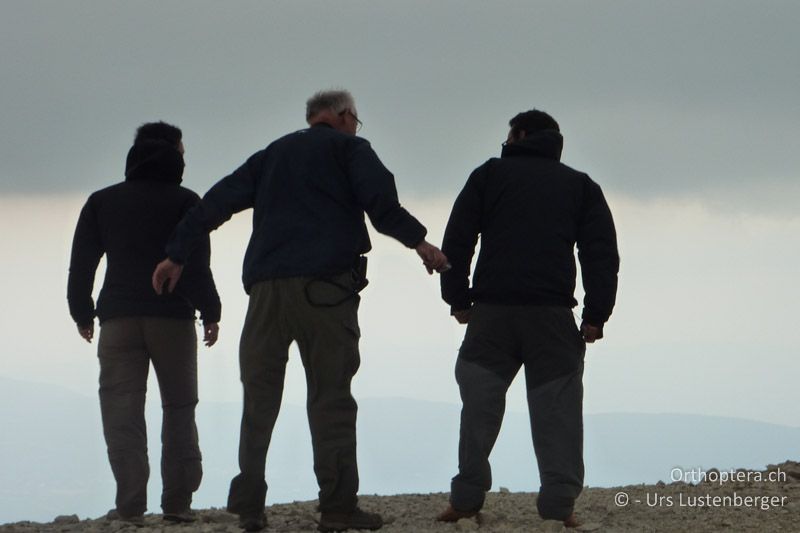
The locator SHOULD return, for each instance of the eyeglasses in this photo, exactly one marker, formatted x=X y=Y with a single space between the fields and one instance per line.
x=359 y=124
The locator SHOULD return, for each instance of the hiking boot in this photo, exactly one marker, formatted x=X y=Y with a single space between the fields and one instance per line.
x=358 y=519
x=255 y=522
x=180 y=517
x=135 y=520
x=451 y=514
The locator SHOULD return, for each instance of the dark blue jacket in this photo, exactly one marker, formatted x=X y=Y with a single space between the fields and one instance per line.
x=309 y=191
x=530 y=211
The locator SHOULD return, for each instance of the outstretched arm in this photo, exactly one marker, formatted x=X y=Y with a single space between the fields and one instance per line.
x=233 y=193
x=376 y=193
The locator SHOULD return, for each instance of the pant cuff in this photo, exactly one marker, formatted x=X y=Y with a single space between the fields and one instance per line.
x=247 y=496
x=553 y=507
x=465 y=497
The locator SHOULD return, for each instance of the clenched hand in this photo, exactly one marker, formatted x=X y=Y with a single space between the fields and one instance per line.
x=462 y=316
x=591 y=333
x=210 y=333
x=87 y=332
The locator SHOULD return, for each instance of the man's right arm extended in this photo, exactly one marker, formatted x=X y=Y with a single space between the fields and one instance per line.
x=234 y=193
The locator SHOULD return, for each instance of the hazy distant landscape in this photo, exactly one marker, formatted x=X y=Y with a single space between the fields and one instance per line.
x=52 y=456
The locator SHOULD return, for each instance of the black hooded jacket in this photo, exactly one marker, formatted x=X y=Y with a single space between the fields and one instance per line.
x=130 y=223
x=530 y=211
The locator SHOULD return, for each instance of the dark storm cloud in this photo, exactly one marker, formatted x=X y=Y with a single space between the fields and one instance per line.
x=666 y=99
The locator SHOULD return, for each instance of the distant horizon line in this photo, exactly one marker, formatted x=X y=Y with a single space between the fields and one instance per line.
x=363 y=399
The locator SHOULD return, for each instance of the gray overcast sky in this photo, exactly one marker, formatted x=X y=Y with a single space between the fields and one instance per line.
x=656 y=99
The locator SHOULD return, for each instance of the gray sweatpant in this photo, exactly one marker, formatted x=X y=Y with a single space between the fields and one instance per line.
x=499 y=340
x=125 y=350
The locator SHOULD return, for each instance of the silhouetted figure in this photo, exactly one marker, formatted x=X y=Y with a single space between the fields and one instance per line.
x=130 y=223
x=530 y=211
x=309 y=191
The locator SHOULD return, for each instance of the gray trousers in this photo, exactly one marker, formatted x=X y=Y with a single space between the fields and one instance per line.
x=280 y=312
x=125 y=350
x=499 y=340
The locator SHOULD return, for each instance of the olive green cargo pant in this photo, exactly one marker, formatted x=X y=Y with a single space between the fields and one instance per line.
x=125 y=349
x=322 y=318
x=499 y=340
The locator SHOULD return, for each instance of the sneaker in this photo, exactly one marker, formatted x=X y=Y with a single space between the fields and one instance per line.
x=253 y=522
x=136 y=520
x=180 y=517
x=451 y=514
x=358 y=519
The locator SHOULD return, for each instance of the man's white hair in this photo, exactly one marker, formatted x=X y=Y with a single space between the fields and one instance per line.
x=336 y=100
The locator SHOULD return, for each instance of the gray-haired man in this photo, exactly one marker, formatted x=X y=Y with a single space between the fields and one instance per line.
x=309 y=191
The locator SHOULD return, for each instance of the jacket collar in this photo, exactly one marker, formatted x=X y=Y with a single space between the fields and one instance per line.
x=544 y=143
x=152 y=160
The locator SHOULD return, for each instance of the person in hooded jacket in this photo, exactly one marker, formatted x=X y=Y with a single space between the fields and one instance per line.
x=130 y=223
x=530 y=211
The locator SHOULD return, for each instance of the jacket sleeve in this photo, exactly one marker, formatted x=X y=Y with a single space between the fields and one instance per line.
x=460 y=238
x=598 y=255
x=233 y=193
x=375 y=192
x=87 y=249
x=197 y=281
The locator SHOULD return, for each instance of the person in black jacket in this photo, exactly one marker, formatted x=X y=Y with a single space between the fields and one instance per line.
x=309 y=191
x=530 y=211
x=130 y=223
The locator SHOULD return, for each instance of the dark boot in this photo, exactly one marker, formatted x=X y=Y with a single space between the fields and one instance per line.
x=358 y=519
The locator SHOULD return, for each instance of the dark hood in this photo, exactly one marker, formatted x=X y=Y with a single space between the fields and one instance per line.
x=155 y=161
x=544 y=143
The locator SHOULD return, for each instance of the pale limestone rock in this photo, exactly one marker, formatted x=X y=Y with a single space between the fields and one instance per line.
x=552 y=526
x=467 y=525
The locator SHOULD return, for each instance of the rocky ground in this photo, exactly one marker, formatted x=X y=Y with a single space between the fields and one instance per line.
x=742 y=501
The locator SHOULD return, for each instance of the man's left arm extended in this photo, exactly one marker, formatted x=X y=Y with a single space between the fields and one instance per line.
x=376 y=193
